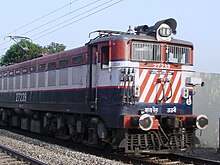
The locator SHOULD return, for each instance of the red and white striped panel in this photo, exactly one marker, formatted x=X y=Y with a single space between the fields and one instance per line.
x=151 y=90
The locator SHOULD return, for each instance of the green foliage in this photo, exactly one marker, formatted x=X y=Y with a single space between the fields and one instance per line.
x=26 y=50
x=54 y=48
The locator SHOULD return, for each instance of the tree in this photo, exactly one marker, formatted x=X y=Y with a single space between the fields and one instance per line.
x=22 y=51
x=54 y=48
x=26 y=50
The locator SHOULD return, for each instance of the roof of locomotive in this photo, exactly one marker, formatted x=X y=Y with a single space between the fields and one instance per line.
x=128 y=37
x=160 y=32
x=50 y=57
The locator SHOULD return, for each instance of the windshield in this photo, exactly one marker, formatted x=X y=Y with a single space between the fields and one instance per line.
x=142 y=51
x=152 y=52
x=178 y=54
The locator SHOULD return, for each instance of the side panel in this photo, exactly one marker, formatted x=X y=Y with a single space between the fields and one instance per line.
x=53 y=87
x=49 y=100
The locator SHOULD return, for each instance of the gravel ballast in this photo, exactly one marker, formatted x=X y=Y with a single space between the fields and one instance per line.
x=50 y=153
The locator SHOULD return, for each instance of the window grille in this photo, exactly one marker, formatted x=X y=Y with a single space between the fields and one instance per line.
x=5 y=83
x=41 y=79
x=52 y=78
x=63 y=77
x=11 y=83
x=33 y=80
x=143 y=51
x=17 y=82
x=178 y=54
x=0 y=83
x=24 y=81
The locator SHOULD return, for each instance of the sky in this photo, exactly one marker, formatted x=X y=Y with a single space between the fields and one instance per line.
x=197 y=21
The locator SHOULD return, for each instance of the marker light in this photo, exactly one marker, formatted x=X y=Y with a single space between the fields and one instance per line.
x=185 y=93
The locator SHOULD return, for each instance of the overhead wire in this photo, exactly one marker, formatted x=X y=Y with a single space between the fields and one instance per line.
x=71 y=12
x=76 y=20
x=87 y=11
x=39 y=18
x=29 y=23
x=71 y=18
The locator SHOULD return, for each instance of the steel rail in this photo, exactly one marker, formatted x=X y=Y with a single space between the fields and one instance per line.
x=21 y=157
x=170 y=159
x=194 y=160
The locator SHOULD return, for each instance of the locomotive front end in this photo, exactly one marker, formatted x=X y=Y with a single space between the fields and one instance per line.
x=160 y=97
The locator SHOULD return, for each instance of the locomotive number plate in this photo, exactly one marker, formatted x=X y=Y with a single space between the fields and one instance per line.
x=21 y=97
x=162 y=66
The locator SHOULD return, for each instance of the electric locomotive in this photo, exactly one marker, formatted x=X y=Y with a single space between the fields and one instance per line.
x=127 y=90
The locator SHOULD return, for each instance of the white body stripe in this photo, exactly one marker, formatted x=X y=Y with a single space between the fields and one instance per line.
x=147 y=87
x=174 y=88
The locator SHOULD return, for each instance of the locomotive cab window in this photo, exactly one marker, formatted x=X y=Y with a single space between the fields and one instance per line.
x=143 y=51
x=105 y=57
x=178 y=54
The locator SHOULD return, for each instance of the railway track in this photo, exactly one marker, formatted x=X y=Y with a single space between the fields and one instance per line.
x=150 y=159
x=194 y=160
x=12 y=157
x=171 y=159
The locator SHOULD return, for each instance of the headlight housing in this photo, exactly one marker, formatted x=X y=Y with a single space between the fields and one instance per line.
x=146 y=122
x=202 y=122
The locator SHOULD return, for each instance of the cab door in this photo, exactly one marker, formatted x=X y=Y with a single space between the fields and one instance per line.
x=92 y=77
x=98 y=64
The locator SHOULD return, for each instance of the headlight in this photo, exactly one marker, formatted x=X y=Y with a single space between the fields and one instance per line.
x=165 y=32
x=202 y=121
x=146 y=122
